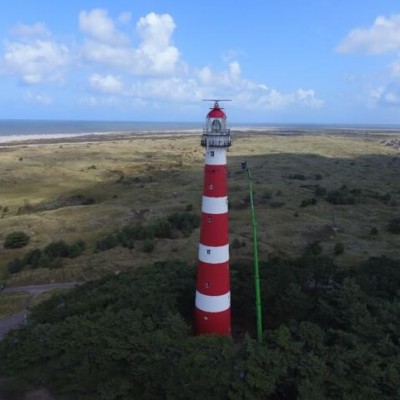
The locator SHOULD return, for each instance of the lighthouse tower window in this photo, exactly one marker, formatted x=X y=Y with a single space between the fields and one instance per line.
x=216 y=126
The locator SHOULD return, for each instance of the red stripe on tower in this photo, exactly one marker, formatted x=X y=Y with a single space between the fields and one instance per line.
x=212 y=306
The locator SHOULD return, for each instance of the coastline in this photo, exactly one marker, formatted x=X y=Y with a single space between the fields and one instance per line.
x=74 y=138
x=35 y=140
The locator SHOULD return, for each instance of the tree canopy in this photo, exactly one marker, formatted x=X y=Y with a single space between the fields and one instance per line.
x=330 y=333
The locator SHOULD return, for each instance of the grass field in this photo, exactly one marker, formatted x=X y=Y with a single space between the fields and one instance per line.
x=84 y=190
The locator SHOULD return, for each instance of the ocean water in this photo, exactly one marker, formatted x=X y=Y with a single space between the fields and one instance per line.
x=14 y=130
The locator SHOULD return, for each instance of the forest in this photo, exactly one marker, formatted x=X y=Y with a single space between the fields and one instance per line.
x=330 y=332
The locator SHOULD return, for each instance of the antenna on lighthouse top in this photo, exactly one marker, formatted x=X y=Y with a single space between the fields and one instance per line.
x=216 y=101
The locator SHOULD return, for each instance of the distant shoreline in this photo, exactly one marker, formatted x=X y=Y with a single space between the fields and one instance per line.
x=60 y=138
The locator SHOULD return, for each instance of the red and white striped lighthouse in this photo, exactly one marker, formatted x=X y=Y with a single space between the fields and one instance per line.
x=213 y=297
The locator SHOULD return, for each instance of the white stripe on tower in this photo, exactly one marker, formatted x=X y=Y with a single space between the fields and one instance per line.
x=214 y=205
x=215 y=156
x=213 y=255
x=213 y=303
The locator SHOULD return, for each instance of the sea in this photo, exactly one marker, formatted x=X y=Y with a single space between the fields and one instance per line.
x=12 y=130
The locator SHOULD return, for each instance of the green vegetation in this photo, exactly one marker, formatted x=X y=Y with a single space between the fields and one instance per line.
x=339 y=248
x=90 y=191
x=11 y=303
x=164 y=228
x=16 y=240
x=50 y=256
x=329 y=333
x=308 y=202
x=394 y=225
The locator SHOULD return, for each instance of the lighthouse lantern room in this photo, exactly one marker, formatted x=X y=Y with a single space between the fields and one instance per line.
x=212 y=304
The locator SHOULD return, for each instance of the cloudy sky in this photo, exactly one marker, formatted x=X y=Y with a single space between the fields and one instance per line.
x=307 y=61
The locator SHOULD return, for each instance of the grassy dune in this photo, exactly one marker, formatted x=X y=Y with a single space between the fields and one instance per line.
x=84 y=190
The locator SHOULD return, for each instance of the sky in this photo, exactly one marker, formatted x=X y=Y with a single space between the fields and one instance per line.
x=297 y=61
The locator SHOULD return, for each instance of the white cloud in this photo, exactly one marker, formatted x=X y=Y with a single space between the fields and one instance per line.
x=36 y=61
x=155 y=55
x=37 y=98
x=125 y=17
x=170 y=89
x=394 y=69
x=37 y=30
x=382 y=37
x=131 y=74
x=156 y=31
x=100 y=27
x=206 y=83
x=155 y=50
x=272 y=99
x=388 y=95
x=205 y=75
x=102 y=101
x=106 y=84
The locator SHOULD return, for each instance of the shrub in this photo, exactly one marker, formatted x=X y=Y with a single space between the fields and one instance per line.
x=161 y=229
x=56 y=263
x=137 y=232
x=34 y=258
x=340 y=197
x=236 y=244
x=300 y=177
x=394 y=225
x=313 y=248
x=125 y=240
x=57 y=249
x=386 y=197
x=373 y=231
x=319 y=191
x=185 y=221
x=308 y=202
x=148 y=246
x=16 y=240
x=276 y=204
x=108 y=242
x=338 y=249
x=15 y=266
x=76 y=248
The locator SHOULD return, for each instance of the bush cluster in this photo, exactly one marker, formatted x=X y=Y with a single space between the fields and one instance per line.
x=50 y=256
x=394 y=225
x=165 y=228
x=308 y=202
x=342 y=196
x=16 y=240
x=300 y=177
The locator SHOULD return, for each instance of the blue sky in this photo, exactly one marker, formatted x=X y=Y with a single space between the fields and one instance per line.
x=314 y=61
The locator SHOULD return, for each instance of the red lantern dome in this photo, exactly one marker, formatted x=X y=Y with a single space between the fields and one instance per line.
x=216 y=112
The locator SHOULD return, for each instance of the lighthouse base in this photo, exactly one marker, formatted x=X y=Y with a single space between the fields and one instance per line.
x=218 y=323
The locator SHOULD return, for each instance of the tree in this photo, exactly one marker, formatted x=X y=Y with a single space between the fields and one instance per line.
x=57 y=249
x=394 y=225
x=16 y=240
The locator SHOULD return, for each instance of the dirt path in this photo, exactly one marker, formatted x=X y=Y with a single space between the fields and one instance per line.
x=37 y=289
x=20 y=318
x=12 y=322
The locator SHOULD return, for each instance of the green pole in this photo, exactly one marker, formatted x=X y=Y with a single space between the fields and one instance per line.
x=256 y=266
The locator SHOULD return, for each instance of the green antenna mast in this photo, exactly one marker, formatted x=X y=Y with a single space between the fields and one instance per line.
x=255 y=248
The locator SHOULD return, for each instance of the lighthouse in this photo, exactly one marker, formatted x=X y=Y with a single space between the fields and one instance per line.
x=213 y=297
